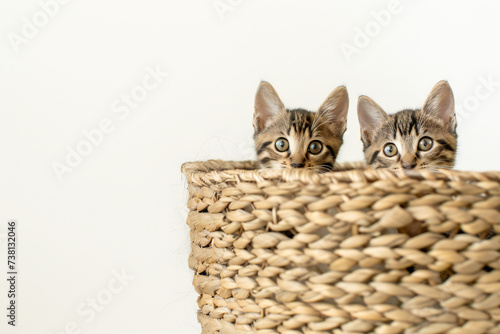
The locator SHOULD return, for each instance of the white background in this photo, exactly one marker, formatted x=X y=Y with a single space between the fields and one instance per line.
x=122 y=206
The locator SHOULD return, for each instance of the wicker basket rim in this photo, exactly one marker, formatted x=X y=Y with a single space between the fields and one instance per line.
x=206 y=173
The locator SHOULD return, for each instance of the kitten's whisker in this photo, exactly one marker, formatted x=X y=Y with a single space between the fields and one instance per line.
x=436 y=168
x=320 y=169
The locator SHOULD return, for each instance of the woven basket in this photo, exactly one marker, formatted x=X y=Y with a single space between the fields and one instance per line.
x=351 y=251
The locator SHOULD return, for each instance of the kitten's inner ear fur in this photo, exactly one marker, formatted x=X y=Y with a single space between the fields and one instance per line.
x=441 y=104
x=334 y=110
x=267 y=106
x=370 y=116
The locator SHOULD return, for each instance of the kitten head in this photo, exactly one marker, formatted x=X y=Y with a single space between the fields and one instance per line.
x=424 y=138
x=298 y=138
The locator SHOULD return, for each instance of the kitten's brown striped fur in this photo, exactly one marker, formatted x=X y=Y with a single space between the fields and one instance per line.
x=436 y=120
x=300 y=128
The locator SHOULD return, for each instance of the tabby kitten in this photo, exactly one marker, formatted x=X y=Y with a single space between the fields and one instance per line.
x=298 y=138
x=421 y=138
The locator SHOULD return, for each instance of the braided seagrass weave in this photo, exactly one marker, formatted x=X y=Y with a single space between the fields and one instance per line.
x=351 y=251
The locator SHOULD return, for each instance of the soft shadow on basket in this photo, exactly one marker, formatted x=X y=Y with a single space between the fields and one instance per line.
x=356 y=250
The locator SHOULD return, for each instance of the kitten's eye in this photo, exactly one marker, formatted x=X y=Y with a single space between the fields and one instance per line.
x=281 y=144
x=390 y=150
x=315 y=147
x=425 y=144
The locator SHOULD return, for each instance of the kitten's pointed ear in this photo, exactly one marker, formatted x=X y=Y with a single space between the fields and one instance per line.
x=267 y=106
x=334 y=110
x=370 y=116
x=441 y=104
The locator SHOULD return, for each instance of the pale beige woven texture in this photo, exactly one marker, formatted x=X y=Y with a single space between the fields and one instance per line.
x=291 y=251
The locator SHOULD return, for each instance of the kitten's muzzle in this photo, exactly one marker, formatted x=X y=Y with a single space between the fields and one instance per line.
x=294 y=165
x=409 y=166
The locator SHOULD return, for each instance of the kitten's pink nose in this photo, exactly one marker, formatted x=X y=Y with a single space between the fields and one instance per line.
x=294 y=165
x=409 y=166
